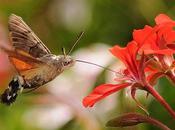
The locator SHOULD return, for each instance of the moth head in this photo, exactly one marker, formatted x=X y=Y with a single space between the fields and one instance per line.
x=67 y=61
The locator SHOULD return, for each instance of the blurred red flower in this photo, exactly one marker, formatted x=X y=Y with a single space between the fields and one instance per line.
x=4 y=62
x=4 y=69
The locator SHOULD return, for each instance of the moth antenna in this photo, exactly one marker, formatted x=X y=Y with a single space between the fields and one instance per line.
x=63 y=51
x=78 y=39
x=106 y=68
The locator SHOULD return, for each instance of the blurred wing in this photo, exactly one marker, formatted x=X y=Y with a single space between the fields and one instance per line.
x=23 y=38
x=22 y=61
x=27 y=66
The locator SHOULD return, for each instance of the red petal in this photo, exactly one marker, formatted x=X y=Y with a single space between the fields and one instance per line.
x=145 y=36
x=127 y=55
x=101 y=92
x=162 y=18
x=118 y=52
x=132 y=48
x=167 y=32
x=126 y=52
x=163 y=52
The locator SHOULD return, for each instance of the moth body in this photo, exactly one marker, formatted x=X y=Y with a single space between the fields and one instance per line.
x=53 y=66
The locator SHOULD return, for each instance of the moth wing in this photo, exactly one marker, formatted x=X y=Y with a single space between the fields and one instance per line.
x=28 y=67
x=23 y=38
x=22 y=61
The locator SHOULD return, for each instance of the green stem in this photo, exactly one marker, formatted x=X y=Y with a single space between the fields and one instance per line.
x=161 y=100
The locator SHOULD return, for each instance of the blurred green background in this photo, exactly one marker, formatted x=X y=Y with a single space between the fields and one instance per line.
x=57 y=105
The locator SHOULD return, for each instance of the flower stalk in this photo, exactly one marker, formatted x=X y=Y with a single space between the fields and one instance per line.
x=171 y=77
x=161 y=100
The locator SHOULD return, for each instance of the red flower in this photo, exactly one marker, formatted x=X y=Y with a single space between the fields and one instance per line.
x=133 y=75
x=146 y=58
x=158 y=43
x=166 y=30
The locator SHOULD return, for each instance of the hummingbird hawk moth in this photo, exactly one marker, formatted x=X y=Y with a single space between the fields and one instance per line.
x=33 y=61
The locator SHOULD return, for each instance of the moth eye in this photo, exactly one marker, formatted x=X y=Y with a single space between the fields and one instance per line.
x=66 y=63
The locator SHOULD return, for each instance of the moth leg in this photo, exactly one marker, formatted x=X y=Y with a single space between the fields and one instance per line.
x=21 y=89
x=36 y=83
x=31 y=90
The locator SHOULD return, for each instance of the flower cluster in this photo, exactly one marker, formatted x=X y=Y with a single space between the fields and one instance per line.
x=147 y=57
